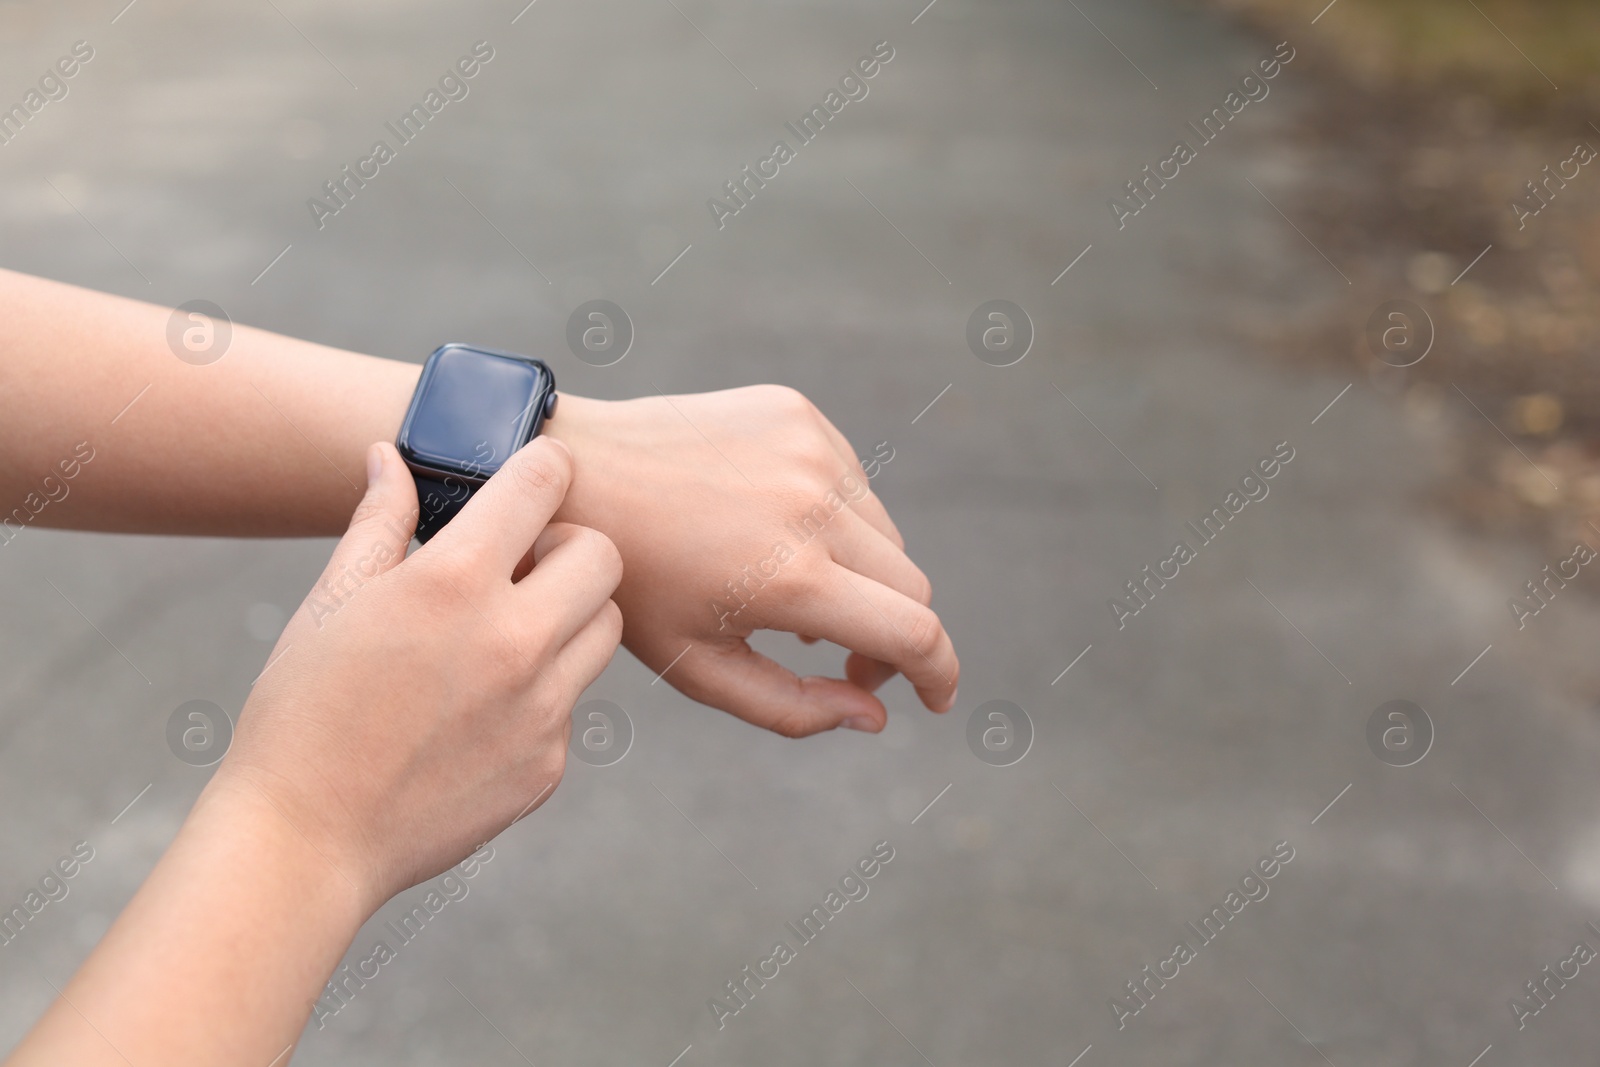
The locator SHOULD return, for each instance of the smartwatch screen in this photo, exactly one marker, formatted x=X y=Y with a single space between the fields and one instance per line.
x=471 y=410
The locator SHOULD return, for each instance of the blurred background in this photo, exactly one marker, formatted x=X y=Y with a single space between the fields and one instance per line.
x=1135 y=773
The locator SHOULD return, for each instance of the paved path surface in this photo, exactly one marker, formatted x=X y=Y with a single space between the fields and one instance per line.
x=1176 y=752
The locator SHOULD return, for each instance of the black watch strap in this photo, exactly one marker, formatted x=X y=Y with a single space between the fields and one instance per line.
x=438 y=501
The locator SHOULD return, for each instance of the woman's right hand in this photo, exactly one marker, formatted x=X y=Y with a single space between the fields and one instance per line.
x=415 y=708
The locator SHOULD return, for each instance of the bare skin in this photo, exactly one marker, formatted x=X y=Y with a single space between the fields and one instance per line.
x=269 y=440
x=386 y=742
x=431 y=706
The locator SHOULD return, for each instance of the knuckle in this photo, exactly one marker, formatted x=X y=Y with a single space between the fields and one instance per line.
x=540 y=472
x=611 y=619
x=790 y=719
x=543 y=773
x=601 y=553
x=559 y=531
x=805 y=579
x=368 y=511
x=787 y=399
x=921 y=589
x=925 y=634
x=790 y=724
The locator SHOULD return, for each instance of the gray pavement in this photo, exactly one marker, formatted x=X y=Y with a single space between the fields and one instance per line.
x=1172 y=756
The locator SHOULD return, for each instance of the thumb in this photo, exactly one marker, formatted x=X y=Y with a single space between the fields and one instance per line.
x=381 y=526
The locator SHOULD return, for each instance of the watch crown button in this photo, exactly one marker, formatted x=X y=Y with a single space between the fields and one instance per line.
x=550 y=404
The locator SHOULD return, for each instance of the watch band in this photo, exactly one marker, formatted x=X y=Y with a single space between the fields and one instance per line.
x=438 y=501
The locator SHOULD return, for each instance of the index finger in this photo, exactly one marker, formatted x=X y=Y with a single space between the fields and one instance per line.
x=882 y=624
x=503 y=518
x=739 y=680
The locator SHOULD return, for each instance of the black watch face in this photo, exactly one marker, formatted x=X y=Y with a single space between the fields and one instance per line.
x=472 y=410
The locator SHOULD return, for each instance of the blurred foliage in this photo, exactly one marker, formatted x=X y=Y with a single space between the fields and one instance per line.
x=1426 y=118
x=1492 y=45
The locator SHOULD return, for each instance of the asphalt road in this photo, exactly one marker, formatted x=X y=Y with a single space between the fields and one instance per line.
x=1177 y=752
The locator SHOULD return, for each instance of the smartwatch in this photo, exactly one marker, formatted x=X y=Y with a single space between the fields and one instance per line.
x=472 y=409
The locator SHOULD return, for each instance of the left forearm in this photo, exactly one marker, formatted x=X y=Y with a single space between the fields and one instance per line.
x=104 y=427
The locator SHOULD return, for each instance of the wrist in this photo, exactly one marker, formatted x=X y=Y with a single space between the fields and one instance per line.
x=237 y=820
x=591 y=429
x=240 y=909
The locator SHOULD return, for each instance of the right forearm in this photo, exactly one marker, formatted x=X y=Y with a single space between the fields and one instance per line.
x=219 y=956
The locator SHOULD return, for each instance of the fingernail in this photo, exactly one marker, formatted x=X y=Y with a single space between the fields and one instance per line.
x=954 y=694
x=860 y=722
x=374 y=464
